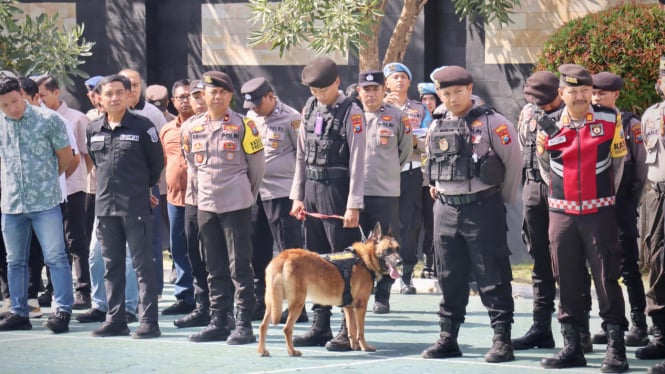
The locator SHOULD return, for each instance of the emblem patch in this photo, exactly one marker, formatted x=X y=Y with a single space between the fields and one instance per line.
x=443 y=144
x=198 y=128
x=407 y=125
x=476 y=123
x=230 y=156
x=504 y=135
x=231 y=127
x=387 y=118
x=596 y=130
x=226 y=118
x=637 y=133
x=199 y=158
x=229 y=146
x=295 y=124
x=357 y=123
x=275 y=145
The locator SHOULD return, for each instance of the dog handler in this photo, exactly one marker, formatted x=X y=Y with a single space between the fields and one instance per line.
x=469 y=215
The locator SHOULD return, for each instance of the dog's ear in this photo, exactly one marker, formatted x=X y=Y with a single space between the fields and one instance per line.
x=376 y=232
x=390 y=230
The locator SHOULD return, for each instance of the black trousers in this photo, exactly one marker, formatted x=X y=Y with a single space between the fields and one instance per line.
x=428 y=221
x=327 y=197
x=471 y=239
x=114 y=232
x=410 y=214
x=655 y=295
x=535 y=229
x=227 y=246
x=626 y=213
x=195 y=253
x=578 y=240
x=75 y=238
x=273 y=226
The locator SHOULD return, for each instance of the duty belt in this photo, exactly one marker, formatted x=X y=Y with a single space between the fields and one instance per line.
x=325 y=174
x=533 y=175
x=658 y=187
x=464 y=199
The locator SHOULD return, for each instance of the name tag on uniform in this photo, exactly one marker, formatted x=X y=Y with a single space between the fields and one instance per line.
x=129 y=137
x=97 y=138
x=555 y=141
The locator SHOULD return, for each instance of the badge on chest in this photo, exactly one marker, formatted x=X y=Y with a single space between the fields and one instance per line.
x=596 y=130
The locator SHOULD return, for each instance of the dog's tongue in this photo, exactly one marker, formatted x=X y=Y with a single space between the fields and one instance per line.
x=394 y=273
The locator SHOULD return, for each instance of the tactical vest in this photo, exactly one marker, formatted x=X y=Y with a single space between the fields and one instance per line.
x=450 y=147
x=344 y=262
x=330 y=147
x=626 y=185
x=529 y=155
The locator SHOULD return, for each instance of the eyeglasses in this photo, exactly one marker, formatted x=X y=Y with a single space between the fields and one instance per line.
x=182 y=98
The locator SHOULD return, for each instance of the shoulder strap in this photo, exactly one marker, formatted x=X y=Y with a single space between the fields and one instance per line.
x=477 y=112
x=309 y=108
x=626 y=117
x=340 y=114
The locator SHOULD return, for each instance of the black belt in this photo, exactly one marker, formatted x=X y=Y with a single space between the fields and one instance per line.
x=533 y=175
x=465 y=199
x=658 y=187
x=325 y=174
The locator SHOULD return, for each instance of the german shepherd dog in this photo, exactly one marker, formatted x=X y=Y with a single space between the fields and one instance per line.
x=298 y=274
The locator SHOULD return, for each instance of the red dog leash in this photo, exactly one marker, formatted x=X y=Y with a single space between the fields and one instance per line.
x=303 y=213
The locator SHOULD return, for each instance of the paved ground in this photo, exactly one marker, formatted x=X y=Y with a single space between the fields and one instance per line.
x=399 y=337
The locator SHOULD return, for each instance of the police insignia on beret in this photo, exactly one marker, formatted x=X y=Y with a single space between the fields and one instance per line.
x=218 y=79
x=369 y=77
x=452 y=76
x=574 y=75
x=248 y=97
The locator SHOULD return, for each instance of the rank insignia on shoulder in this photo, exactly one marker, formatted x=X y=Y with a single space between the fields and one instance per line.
x=226 y=118
x=504 y=135
x=357 y=123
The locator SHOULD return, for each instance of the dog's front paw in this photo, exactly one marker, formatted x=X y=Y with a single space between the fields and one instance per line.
x=295 y=353
x=265 y=353
x=369 y=348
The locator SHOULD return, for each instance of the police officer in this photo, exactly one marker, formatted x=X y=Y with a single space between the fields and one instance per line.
x=129 y=159
x=653 y=122
x=278 y=126
x=581 y=159
x=225 y=156
x=329 y=176
x=474 y=163
x=541 y=94
x=398 y=81
x=606 y=87
x=389 y=145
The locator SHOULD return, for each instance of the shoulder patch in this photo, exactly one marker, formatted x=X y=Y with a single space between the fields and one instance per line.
x=540 y=143
x=637 y=133
x=251 y=141
x=357 y=123
x=407 y=125
x=152 y=131
x=502 y=132
x=295 y=124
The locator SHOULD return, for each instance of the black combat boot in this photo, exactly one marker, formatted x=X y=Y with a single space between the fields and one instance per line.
x=407 y=287
x=585 y=336
x=243 y=333
x=502 y=349
x=657 y=369
x=382 y=295
x=539 y=334
x=615 y=357
x=637 y=335
x=600 y=337
x=446 y=346
x=259 y=294
x=199 y=317
x=571 y=354
x=428 y=269
x=320 y=331
x=340 y=343
x=218 y=329
x=655 y=349
x=301 y=318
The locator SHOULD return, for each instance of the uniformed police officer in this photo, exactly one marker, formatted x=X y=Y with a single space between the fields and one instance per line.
x=398 y=81
x=278 y=126
x=129 y=159
x=581 y=159
x=225 y=155
x=653 y=123
x=474 y=160
x=389 y=145
x=606 y=87
x=541 y=94
x=329 y=176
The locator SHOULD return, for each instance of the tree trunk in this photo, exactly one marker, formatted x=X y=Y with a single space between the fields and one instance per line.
x=401 y=37
x=368 y=57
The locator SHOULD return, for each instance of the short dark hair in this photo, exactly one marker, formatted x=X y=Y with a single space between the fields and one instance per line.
x=29 y=86
x=115 y=78
x=9 y=84
x=49 y=82
x=180 y=83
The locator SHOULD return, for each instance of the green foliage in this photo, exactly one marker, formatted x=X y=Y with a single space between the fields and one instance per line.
x=627 y=40
x=488 y=10
x=39 y=46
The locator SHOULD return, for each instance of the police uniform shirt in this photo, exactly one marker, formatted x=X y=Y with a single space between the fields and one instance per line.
x=190 y=192
x=419 y=117
x=636 y=152
x=527 y=123
x=653 y=131
x=354 y=128
x=504 y=144
x=389 y=145
x=226 y=159
x=618 y=146
x=279 y=133
x=129 y=160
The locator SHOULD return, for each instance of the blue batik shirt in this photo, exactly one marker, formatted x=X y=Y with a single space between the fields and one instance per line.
x=28 y=163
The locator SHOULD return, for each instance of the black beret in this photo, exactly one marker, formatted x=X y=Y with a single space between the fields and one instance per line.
x=607 y=81
x=574 y=75
x=371 y=78
x=320 y=73
x=452 y=76
x=541 y=88
x=253 y=91
x=218 y=79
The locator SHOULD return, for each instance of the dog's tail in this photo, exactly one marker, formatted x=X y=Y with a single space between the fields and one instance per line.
x=274 y=295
